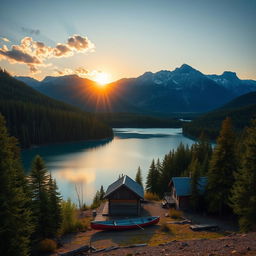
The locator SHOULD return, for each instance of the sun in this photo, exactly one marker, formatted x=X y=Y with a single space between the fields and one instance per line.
x=102 y=78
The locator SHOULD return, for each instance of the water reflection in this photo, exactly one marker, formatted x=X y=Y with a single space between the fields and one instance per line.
x=93 y=164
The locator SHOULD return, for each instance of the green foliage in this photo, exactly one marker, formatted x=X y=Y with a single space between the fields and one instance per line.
x=70 y=221
x=46 y=202
x=152 y=179
x=194 y=169
x=54 y=207
x=15 y=216
x=98 y=198
x=174 y=164
x=34 y=118
x=47 y=245
x=40 y=202
x=138 y=177
x=243 y=197
x=223 y=164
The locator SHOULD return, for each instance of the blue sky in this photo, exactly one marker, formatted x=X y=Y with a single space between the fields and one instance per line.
x=135 y=36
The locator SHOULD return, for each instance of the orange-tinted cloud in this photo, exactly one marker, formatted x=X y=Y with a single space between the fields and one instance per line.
x=5 y=39
x=34 y=53
x=80 y=71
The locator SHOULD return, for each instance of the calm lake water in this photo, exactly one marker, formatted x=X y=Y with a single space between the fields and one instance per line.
x=88 y=165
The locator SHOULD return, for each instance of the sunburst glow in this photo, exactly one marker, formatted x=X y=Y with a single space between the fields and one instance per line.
x=102 y=78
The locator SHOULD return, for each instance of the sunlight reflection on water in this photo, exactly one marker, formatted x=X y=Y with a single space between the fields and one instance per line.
x=100 y=163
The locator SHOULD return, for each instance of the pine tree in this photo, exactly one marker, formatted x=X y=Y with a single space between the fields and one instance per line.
x=39 y=180
x=194 y=170
x=15 y=215
x=102 y=193
x=243 y=197
x=165 y=174
x=138 y=177
x=221 y=170
x=54 y=207
x=152 y=179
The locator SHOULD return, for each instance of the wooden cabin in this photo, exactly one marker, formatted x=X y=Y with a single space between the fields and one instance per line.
x=124 y=197
x=181 y=190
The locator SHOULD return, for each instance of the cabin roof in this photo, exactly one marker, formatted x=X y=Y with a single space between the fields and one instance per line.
x=127 y=182
x=182 y=185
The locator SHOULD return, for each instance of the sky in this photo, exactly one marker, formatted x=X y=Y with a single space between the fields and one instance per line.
x=125 y=38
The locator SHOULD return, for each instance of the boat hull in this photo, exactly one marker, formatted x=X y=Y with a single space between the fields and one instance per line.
x=100 y=225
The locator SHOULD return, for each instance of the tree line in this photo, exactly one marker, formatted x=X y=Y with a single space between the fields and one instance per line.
x=230 y=167
x=30 y=206
x=36 y=119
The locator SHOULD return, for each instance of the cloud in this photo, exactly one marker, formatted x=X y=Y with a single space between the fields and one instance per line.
x=79 y=43
x=5 y=39
x=30 y=31
x=62 y=50
x=34 y=53
x=80 y=71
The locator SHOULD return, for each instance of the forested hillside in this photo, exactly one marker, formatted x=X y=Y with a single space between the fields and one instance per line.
x=37 y=119
x=241 y=110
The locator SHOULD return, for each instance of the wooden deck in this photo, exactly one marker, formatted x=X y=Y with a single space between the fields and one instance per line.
x=102 y=212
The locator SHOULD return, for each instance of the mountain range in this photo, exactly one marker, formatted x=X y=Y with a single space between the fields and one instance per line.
x=184 y=89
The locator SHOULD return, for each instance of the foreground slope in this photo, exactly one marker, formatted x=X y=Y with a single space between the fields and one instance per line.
x=37 y=119
x=241 y=110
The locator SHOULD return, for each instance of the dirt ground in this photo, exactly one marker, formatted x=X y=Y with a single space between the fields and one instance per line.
x=236 y=244
x=179 y=240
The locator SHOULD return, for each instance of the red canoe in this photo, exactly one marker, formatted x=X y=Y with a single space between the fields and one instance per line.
x=125 y=224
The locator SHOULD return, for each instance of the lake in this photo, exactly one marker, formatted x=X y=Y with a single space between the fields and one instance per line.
x=86 y=166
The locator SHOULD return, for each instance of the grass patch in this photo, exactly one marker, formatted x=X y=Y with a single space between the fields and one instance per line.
x=71 y=222
x=151 y=196
x=175 y=214
x=165 y=228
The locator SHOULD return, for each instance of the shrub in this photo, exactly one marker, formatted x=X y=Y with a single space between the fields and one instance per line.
x=151 y=196
x=165 y=228
x=47 y=245
x=175 y=214
x=70 y=222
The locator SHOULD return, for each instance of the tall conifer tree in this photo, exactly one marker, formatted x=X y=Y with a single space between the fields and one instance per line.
x=243 y=198
x=15 y=216
x=39 y=180
x=221 y=170
x=54 y=207
x=138 y=177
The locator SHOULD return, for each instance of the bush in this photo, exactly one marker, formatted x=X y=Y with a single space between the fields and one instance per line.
x=70 y=222
x=47 y=245
x=151 y=196
x=175 y=214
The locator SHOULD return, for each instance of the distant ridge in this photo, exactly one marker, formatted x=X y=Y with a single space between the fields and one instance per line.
x=184 y=89
x=241 y=110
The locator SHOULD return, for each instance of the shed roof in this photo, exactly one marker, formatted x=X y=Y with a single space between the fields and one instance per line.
x=127 y=182
x=183 y=185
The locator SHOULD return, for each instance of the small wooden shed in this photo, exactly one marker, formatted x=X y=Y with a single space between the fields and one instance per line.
x=124 y=197
x=181 y=190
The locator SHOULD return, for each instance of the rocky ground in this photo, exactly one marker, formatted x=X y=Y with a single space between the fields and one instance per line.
x=235 y=244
